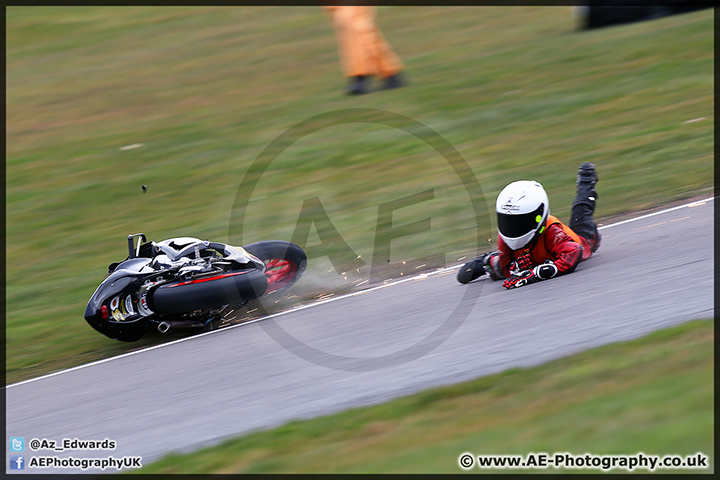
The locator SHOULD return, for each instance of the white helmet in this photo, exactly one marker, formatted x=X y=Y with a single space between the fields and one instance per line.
x=522 y=209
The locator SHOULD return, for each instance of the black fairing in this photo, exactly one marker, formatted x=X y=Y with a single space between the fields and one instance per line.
x=123 y=279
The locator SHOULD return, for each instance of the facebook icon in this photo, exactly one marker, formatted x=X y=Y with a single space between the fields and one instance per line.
x=17 y=462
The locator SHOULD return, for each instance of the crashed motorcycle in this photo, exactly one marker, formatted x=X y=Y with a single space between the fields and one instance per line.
x=186 y=283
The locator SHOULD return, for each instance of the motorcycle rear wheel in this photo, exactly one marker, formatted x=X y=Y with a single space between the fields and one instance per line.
x=205 y=293
x=285 y=262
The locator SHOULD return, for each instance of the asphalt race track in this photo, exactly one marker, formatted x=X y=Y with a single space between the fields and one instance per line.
x=651 y=272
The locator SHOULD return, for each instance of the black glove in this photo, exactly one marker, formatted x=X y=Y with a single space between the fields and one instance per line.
x=519 y=279
x=521 y=264
x=526 y=277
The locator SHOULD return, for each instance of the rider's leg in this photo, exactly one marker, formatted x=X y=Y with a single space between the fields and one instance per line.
x=583 y=209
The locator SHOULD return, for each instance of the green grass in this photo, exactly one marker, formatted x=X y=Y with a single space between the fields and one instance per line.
x=517 y=91
x=652 y=395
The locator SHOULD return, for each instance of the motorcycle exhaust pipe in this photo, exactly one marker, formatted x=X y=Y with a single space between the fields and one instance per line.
x=165 y=326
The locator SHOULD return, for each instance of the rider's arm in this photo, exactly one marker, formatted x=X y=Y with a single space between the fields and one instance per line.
x=565 y=252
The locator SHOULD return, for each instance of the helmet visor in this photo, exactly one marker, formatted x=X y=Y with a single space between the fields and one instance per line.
x=515 y=226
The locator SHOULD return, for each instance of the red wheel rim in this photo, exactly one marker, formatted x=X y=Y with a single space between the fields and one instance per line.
x=278 y=272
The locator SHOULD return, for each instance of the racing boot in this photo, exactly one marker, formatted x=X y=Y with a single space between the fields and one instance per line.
x=476 y=268
x=587 y=175
x=471 y=270
x=583 y=209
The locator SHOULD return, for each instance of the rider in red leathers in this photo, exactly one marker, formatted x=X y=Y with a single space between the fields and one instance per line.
x=532 y=244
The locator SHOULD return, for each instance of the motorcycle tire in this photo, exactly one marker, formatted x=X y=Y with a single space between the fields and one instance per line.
x=203 y=293
x=285 y=262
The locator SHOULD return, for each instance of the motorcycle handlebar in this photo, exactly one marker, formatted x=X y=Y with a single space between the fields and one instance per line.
x=132 y=252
